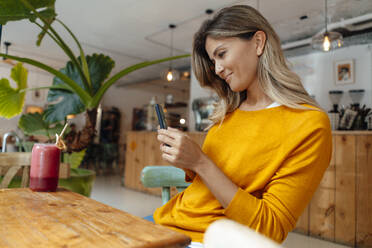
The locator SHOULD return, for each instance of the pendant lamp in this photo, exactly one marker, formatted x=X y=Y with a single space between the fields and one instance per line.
x=171 y=74
x=327 y=40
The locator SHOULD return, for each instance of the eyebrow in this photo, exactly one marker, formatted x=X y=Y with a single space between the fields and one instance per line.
x=216 y=50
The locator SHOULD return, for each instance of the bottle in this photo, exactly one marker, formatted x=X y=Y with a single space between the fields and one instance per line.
x=151 y=116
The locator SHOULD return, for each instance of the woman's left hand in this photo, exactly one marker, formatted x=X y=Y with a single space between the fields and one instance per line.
x=182 y=151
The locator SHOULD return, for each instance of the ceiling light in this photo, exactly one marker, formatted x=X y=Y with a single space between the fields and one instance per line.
x=327 y=40
x=171 y=74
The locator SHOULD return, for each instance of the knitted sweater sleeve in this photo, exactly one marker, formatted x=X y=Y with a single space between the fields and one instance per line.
x=291 y=187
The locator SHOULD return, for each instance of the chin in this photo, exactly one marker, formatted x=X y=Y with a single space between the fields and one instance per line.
x=235 y=89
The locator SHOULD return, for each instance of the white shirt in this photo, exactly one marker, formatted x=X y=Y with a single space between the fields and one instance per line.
x=274 y=104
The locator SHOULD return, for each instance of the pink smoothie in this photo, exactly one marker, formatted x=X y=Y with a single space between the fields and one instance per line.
x=44 y=167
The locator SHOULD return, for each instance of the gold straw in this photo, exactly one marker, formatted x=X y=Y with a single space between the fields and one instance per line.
x=59 y=142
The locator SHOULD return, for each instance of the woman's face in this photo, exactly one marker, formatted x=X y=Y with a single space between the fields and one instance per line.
x=235 y=60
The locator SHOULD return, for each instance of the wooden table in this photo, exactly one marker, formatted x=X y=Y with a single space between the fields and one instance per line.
x=66 y=219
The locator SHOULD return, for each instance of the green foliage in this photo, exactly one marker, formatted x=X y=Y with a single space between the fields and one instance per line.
x=12 y=99
x=34 y=124
x=99 y=67
x=49 y=21
x=74 y=158
x=14 y=10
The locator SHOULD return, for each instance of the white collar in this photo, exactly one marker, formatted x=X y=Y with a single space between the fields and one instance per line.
x=274 y=104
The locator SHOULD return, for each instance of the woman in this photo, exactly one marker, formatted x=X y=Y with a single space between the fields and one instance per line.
x=270 y=142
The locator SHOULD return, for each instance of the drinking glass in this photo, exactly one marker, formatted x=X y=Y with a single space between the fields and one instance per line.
x=44 y=172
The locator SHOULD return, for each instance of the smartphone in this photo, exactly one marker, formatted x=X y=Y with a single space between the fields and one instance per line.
x=161 y=117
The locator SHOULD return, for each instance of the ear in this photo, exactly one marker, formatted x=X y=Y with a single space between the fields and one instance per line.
x=260 y=40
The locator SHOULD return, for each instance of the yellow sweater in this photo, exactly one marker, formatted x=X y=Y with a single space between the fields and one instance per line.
x=277 y=157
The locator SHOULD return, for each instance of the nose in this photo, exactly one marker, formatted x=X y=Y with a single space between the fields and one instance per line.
x=218 y=69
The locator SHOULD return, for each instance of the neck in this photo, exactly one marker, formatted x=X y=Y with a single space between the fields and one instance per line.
x=256 y=98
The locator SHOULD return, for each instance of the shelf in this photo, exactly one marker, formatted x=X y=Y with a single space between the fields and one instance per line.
x=176 y=105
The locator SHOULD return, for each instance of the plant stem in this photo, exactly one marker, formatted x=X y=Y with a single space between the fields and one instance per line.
x=98 y=96
x=82 y=55
x=84 y=96
x=57 y=87
x=61 y=43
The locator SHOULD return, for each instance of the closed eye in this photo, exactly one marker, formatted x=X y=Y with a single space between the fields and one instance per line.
x=221 y=54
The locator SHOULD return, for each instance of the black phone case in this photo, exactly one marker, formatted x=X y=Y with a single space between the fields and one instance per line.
x=161 y=117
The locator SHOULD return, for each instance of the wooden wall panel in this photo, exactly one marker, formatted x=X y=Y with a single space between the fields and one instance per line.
x=129 y=158
x=364 y=192
x=152 y=150
x=345 y=189
x=302 y=225
x=322 y=214
x=322 y=205
x=135 y=160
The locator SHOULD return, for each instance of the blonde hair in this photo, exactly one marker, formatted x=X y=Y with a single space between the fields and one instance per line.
x=278 y=82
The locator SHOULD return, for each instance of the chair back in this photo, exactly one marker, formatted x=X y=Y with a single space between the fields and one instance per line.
x=164 y=177
x=11 y=163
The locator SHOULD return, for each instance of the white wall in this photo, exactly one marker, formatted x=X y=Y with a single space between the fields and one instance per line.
x=317 y=74
x=136 y=96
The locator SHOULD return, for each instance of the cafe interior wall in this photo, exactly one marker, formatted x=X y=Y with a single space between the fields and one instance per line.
x=126 y=100
x=316 y=70
x=137 y=96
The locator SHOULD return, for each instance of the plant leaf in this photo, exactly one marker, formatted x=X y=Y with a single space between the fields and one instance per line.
x=97 y=97
x=67 y=103
x=74 y=158
x=99 y=67
x=12 y=100
x=14 y=10
x=42 y=34
x=34 y=124
x=82 y=55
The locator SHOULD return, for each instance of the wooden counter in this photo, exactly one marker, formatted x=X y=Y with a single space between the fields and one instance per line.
x=341 y=209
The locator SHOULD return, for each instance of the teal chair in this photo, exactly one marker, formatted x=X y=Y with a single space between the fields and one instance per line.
x=165 y=177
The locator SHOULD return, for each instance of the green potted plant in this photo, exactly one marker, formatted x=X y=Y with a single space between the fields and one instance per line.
x=81 y=84
x=79 y=180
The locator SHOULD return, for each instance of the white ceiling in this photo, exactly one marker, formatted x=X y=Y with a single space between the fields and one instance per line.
x=132 y=31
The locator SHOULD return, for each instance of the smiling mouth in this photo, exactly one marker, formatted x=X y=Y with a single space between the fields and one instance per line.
x=227 y=78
